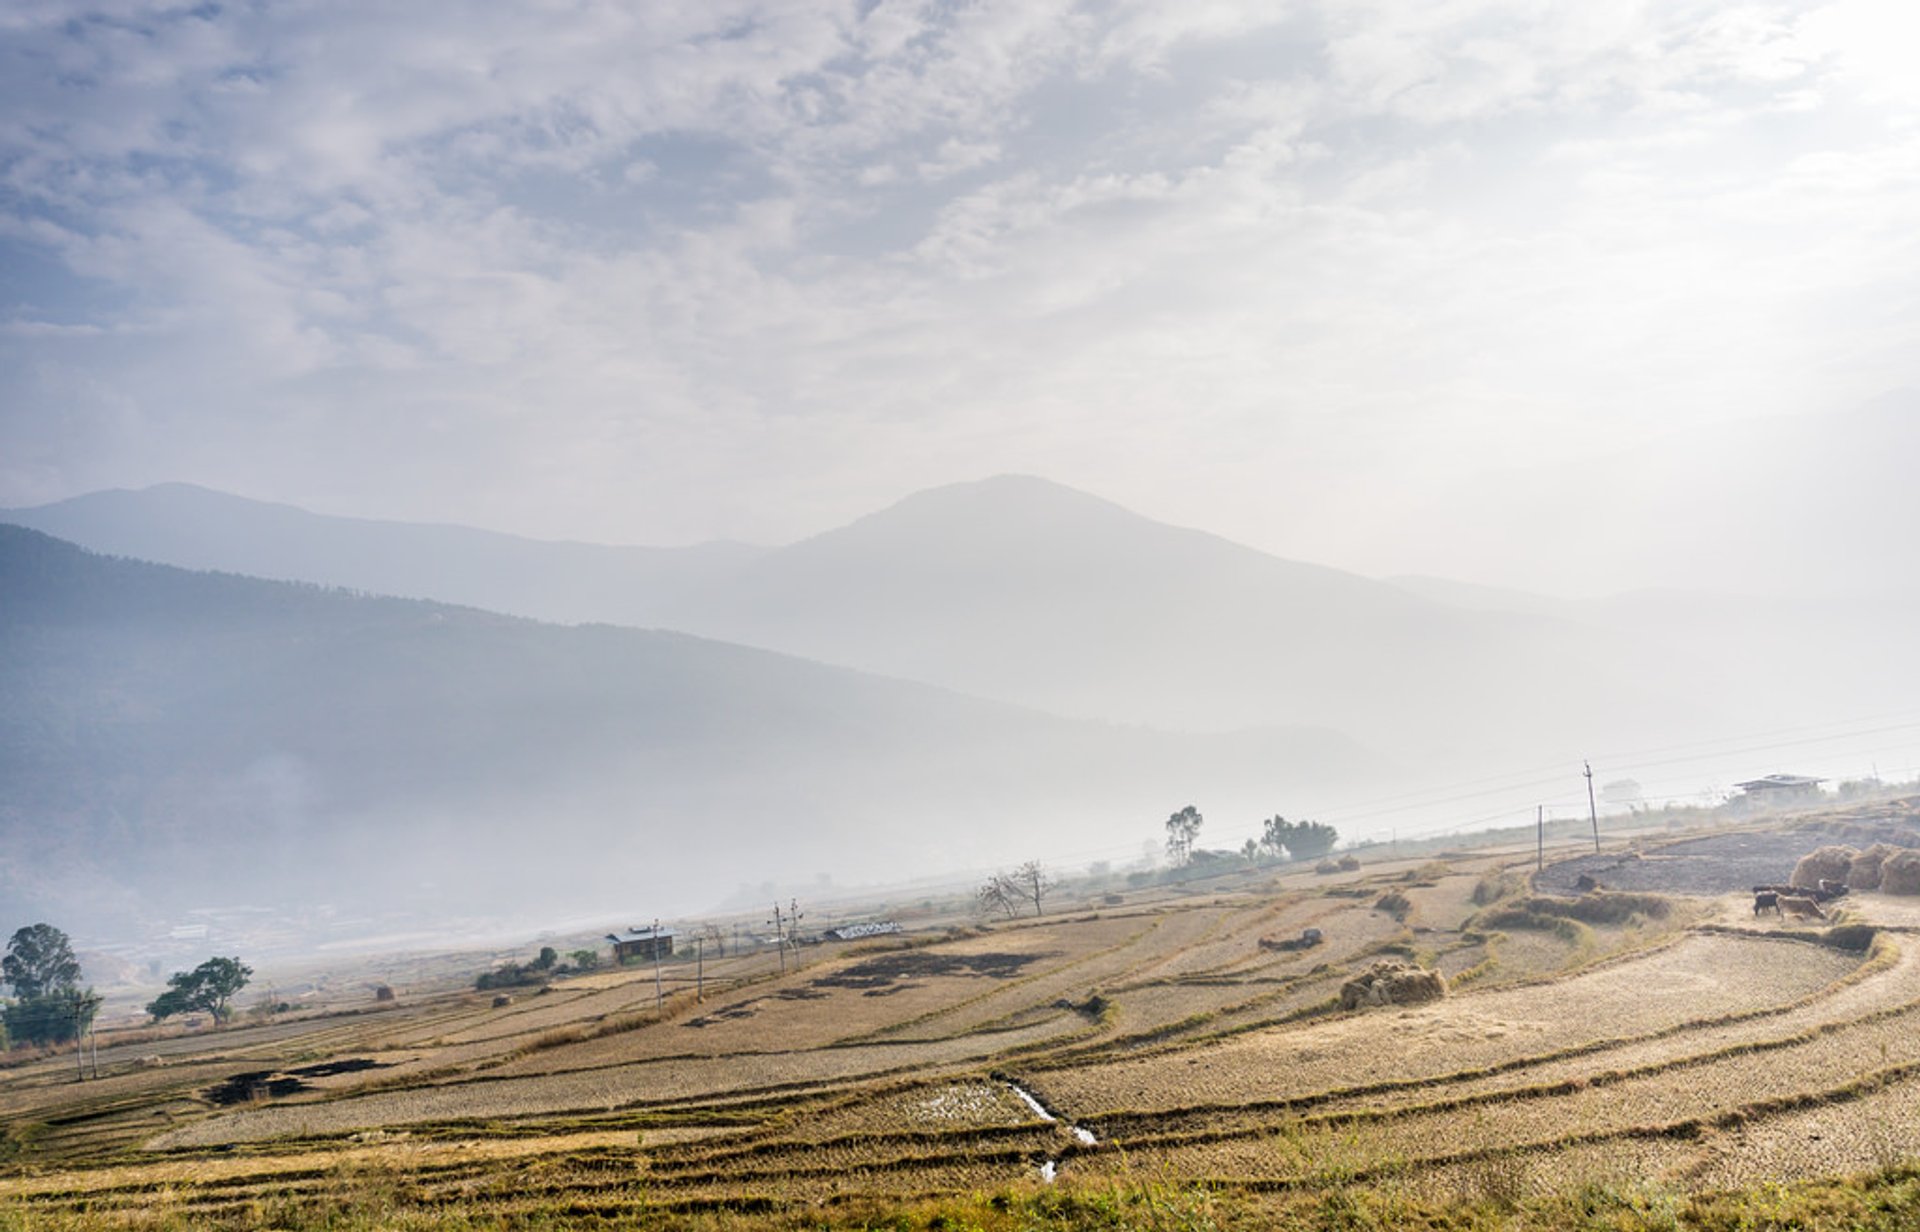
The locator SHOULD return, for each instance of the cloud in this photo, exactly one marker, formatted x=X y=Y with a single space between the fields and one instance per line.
x=749 y=267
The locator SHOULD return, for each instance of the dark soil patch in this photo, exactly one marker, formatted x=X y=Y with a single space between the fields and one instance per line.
x=245 y=1088
x=275 y=1084
x=1716 y=864
x=919 y=964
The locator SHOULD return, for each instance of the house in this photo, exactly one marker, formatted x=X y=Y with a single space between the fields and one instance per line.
x=642 y=944
x=1777 y=790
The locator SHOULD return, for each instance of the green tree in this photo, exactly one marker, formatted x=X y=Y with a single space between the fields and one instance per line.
x=548 y=957
x=40 y=962
x=1311 y=840
x=209 y=986
x=1182 y=829
x=1300 y=840
x=45 y=976
x=584 y=960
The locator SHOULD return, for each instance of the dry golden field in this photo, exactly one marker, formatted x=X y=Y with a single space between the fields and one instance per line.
x=1150 y=1045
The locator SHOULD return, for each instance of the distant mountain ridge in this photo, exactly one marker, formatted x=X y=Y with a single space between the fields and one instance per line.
x=176 y=739
x=1024 y=591
x=198 y=528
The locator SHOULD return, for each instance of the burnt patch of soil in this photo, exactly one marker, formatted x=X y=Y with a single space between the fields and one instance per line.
x=245 y=1088
x=277 y=1084
x=1714 y=864
x=887 y=969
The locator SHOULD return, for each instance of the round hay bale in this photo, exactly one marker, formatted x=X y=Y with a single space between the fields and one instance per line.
x=1864 y=872
x=1349 y=864
x=1392 y=983
x=1831 y=863
x=1900 y=873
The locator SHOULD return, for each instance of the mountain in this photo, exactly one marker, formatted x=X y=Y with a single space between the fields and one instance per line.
x=177 y=740
x=1015 y=589
x=1023 y=591
x=197 y=528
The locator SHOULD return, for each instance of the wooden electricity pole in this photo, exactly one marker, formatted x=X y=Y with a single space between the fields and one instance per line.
x=1592 y=813
x=1540 y=836
x=659 y=997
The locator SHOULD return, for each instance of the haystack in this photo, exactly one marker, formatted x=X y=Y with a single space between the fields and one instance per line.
x=1900 y=873
x=1831 y=863
x=1864 y=873
x=1392 y=983
x=1349 y=864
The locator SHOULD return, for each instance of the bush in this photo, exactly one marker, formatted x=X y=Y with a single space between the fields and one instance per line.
x=509 y=975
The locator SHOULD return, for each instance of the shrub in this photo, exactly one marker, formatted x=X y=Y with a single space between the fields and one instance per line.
x=509 y=975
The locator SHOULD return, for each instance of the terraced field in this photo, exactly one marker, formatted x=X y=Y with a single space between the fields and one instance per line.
x=1676 y=1042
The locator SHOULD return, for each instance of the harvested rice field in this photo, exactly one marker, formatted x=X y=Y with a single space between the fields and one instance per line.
x=1185 y=1038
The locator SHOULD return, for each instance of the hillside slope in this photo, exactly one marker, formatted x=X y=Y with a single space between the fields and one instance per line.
x=175 y=739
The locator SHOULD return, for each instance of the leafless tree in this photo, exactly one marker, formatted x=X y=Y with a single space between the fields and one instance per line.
x=1031 y=882
x=997 y=893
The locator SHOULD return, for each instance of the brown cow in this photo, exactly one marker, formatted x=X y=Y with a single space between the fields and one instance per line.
x=1800 y=908
x=1766 y=900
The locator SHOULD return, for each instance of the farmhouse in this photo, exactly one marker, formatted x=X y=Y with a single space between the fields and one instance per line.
x=642 y=944
x=1777 y=790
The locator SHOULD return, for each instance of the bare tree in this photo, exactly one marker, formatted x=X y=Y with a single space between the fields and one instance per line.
x=1031 y=882
x=997 y=893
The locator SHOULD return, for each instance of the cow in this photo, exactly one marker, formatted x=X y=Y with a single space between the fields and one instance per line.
x=1832 y=889
x=1800 y=908
x=1766 y=900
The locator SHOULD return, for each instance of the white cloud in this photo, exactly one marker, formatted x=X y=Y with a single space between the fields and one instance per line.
x=599 y=269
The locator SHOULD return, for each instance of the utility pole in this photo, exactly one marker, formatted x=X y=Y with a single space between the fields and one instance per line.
x=779 y=935
x=659 y=997
x=1539 y=836
x=699 y=970
x=1592 y=813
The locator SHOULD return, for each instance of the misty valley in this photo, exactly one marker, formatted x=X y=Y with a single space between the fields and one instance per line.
x=925 y=873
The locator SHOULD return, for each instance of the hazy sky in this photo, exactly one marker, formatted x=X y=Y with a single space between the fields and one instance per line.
x=669 y=271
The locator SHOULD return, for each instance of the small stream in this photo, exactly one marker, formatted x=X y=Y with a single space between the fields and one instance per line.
x=1086 y=1137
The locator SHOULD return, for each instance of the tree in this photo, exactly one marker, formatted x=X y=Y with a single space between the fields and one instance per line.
x=1310 y=840
x=40 y=963
x=45 y=977
x=1274 y=833
x=1182 y=829
x=1031 y=882
x=584 y=960
x=1300 y=840
x=548 y=957
x=209 y=986
x=997 y=893
x=1251 y=850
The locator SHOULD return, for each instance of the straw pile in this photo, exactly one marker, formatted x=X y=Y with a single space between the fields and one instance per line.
x=1392 y=983
x=1829 y=863
x=1864 y=873
x=1900 y=873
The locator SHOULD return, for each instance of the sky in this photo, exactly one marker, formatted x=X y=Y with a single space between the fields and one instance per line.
x=668 y=272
